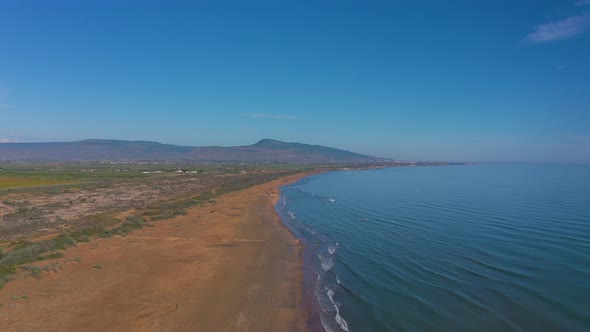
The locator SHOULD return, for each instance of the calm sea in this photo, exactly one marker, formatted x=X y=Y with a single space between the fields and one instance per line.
x=455 y=248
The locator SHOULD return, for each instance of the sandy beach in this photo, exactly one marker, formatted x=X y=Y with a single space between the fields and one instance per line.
x=227 y=266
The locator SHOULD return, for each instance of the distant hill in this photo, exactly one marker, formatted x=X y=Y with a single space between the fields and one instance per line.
x=266 y=150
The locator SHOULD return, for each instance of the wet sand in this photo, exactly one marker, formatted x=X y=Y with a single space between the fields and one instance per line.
x=227 y=266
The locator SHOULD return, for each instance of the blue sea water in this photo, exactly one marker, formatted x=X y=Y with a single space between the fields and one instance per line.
x=453 y=248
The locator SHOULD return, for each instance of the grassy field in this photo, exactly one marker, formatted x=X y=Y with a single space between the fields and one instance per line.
x=8 y=182
x=26 y=175
x=19 y=177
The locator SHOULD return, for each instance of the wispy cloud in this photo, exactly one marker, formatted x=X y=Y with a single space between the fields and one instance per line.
x=564 y=29
x=272 y=116
x=11 y=138
x=583 y=3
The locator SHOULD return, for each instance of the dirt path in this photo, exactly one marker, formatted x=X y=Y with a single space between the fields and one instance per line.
x=228 y=266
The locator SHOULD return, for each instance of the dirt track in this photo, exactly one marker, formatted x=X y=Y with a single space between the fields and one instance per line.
x=227 y=266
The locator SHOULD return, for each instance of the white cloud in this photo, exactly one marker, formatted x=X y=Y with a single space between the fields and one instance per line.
x=11 y=138
x=272 y=116
x=564 y=29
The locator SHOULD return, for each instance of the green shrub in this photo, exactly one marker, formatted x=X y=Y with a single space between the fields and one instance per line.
x=179 y=212
x=51 y=256
x=26 y=213
x=52 y=267
x=63 y=241
x=130 y=224
x=164 y=216
x=84 y=238
x=27 y=252
x=34 y=271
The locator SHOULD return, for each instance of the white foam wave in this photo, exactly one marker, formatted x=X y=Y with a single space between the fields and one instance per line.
x=332 y=248
x=327 y=327
x=291 y=214
x=341 y=322
x=326 y=262
x=332 y=200
x=330 y=312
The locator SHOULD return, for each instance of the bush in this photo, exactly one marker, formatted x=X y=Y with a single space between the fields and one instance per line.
x=24 y=252
x=63 y=241
x=24 y=213
x=51 y=256
x=27 y=252
x=164 y=216
x=130 y=224
x=84 y=238
x=52 y=267
x=33 y=270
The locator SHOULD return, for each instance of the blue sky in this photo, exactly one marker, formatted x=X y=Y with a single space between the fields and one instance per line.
x=421 y=80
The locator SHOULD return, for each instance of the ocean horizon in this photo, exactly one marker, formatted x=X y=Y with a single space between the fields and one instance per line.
x=488 y=247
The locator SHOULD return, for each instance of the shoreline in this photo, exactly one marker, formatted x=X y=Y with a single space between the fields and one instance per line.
x=220 y=267
x=308 y=300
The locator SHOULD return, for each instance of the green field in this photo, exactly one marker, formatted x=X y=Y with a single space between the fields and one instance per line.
x=22 y=176
x=22 y=182
x=26 y=176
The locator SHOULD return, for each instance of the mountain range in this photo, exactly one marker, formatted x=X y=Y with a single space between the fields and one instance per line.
x=266 y=150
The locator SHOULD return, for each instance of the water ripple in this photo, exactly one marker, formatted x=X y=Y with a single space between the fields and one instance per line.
x=486 y=248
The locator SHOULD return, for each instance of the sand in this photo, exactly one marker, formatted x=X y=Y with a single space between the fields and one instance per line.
x=227 y=266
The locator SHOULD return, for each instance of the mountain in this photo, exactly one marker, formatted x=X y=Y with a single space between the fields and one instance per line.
x=266 y=150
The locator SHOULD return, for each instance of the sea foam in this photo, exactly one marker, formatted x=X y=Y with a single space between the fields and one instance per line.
x=332 y=248
x=341 y=322
x=326 y=262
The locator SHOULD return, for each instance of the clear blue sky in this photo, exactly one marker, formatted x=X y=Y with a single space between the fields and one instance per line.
x=423 y=80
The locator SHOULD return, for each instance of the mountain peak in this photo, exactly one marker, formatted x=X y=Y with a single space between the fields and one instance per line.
x=268 y=141
x=265 y=150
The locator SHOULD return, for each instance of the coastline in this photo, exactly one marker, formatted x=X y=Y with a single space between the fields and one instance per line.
x=308 y=301
x=228 y=265
x=307 y=281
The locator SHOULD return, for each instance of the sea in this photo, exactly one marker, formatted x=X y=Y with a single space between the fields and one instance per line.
x=445 y=248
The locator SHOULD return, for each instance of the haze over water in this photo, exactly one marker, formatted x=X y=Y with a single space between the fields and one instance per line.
x=456 y=248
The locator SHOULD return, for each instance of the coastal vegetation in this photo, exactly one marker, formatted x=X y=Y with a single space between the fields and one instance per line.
x=47 y=208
